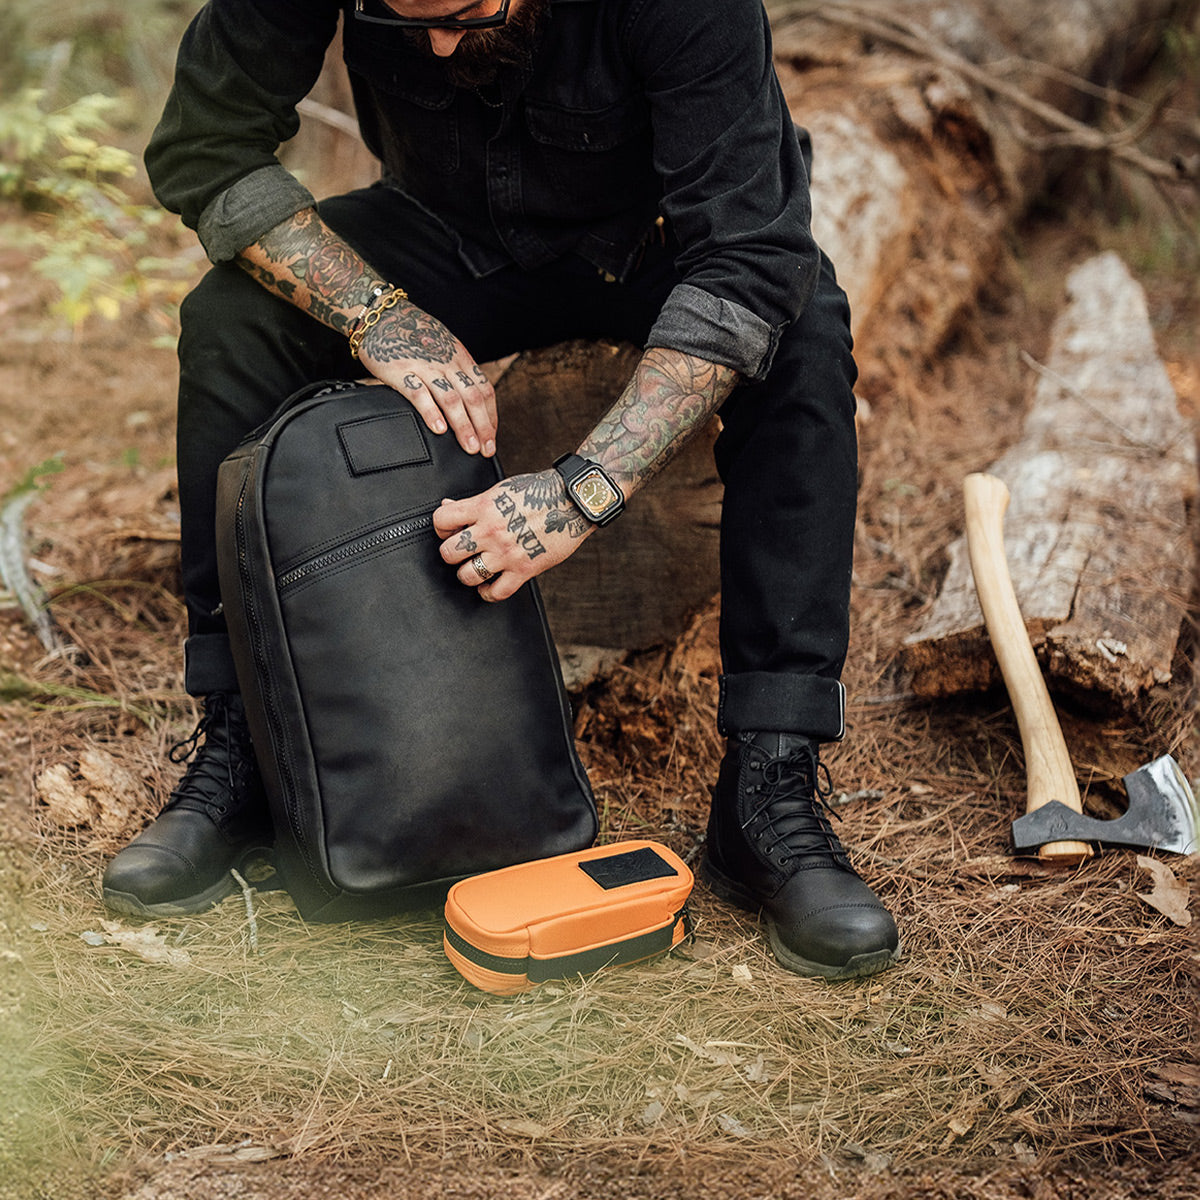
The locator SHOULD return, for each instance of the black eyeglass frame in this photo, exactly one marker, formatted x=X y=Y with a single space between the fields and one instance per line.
x=494 y=21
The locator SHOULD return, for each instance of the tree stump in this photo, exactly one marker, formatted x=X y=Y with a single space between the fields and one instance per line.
x=635 y=583
x=1096 y=535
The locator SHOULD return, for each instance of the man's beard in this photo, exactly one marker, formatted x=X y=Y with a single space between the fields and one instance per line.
x=482 y=53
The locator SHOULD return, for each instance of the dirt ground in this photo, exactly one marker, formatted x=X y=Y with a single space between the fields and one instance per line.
x=102 y=538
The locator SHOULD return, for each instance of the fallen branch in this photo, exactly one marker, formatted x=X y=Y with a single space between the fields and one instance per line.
x=327 y=115
x=14 y=573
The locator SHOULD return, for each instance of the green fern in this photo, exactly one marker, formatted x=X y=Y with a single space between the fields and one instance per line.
x=88 y=237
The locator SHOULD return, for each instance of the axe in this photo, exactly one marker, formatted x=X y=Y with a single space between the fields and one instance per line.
x=1162 y=813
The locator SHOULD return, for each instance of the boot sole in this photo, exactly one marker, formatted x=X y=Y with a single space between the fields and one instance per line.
x=129 y=905
x=858 y=967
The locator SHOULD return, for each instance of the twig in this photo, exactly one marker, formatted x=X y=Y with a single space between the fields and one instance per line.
x=1111 y=141
x=1135 y=443
x=248 y=896
x=1110 y=95
x=327 y=115
x=14 y=573
x=841 y=799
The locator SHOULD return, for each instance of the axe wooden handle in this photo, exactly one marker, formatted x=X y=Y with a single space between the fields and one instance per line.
x=1048 y=770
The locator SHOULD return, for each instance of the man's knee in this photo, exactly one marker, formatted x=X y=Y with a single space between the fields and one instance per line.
x=818 y=346
x=225 y=300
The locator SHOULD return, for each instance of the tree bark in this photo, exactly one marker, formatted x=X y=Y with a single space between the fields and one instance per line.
x=637 y=582
x=1097 y=535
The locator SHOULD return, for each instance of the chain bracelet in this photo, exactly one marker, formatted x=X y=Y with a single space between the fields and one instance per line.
x=380 y=289
x=370 y=319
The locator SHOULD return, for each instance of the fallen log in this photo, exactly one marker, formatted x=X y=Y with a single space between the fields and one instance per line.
x=934 y=127
x=1097 y=535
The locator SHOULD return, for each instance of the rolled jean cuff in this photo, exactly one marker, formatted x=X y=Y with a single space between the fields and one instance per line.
x=208 y=665
x=760 y=701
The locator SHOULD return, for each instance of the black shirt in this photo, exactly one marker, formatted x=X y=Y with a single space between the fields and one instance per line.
x=629 y=109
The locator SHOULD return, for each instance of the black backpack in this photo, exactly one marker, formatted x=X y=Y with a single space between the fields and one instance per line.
x=409 y=733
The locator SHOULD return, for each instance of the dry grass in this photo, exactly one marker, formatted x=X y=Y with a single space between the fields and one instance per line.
x=1038 y=1017
x=1031 y=1016
x=1026 y=1020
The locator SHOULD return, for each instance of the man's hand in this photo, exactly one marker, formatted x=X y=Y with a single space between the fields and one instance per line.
x=517 y=530
x=304 y=262
x=418 y=356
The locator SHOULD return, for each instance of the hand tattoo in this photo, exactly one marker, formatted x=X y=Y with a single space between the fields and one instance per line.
x=566 y=520
x=408 y=332
x=526 y=538
x=466 y=542
x=546 y=490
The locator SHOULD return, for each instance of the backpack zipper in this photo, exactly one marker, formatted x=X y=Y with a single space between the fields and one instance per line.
x=265 y=677
x=398 y=531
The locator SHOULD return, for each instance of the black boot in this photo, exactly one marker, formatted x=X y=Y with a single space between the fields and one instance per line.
x=771 y=847
x=216 y=820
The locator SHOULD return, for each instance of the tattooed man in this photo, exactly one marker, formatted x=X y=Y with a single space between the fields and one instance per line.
x=549 y=169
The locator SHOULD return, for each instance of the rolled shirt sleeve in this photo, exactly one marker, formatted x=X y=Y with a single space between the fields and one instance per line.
x=696 y=322
x=248 y=208
x=242 y=68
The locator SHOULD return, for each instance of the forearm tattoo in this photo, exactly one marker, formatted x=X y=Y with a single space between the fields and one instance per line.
x=670 y=397
x=305 y=262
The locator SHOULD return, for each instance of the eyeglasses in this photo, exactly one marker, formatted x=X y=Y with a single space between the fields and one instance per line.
x=492 y=21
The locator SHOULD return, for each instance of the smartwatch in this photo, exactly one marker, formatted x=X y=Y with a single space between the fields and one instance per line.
x=591 y=487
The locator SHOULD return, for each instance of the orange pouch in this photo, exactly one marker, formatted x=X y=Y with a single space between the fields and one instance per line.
x=568 y=915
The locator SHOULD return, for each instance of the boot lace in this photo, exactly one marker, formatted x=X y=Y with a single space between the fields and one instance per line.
x=790 y=813
x=213 y=752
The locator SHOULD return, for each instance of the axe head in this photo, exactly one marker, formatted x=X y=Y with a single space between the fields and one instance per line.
x=1162 y=815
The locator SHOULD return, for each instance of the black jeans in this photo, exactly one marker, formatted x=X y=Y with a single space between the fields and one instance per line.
x=787 y=452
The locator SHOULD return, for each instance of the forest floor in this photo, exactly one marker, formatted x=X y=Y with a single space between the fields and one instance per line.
x=1036 y=1040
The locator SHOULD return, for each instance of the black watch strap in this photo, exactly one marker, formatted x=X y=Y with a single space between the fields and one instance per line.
x=591 y=488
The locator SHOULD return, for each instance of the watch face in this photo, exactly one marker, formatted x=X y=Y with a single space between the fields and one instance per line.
x=594 y=493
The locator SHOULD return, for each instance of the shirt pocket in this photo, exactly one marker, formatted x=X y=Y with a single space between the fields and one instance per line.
x=414 y=106
x=597 y=159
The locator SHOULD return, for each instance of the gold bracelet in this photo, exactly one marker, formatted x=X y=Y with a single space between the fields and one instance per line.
x=370 y=319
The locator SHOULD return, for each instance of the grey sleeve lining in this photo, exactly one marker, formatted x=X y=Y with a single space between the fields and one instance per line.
x=722 y=331
x=247 y=209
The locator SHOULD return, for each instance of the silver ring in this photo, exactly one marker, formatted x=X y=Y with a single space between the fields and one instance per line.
x=481 y=570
